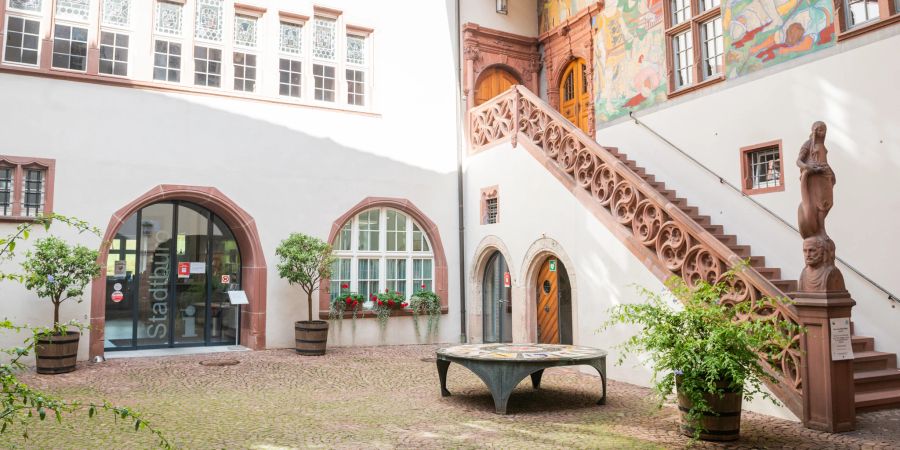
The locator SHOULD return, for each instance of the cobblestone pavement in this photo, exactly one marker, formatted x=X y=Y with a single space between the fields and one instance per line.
x=382 y=397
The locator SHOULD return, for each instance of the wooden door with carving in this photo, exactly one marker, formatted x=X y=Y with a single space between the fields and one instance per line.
x=493 y=82
x=574 y=95
x=548 y=303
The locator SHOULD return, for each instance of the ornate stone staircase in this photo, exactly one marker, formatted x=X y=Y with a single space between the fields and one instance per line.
x=667 y=234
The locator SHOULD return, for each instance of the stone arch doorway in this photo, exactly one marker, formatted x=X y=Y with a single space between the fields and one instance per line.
x=475 y=316
x=227 y=223
x=551 y=294
x=496 y=300
x=493 y=82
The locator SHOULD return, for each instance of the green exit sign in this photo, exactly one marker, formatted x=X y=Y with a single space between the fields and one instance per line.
x=553 y=265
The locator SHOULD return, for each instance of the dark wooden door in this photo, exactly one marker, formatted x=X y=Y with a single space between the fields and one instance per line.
x=548 y=303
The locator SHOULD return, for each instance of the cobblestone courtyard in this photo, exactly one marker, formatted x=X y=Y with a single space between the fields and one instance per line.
x=381 y=397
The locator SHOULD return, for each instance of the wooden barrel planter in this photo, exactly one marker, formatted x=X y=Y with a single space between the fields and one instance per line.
x=311 y=337
x=722 y=425
x=56 y=353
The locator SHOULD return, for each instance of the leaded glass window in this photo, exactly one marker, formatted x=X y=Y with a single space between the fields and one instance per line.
x=168 y=18
x=208 y=20
x=356 y=49
x=245 y=31
x=33 y=193
x=26 y=5
x=116 y=12
x=6 y=190
x=291 y=40
x=114 y=53
x=22 y=40
x=323 y=38
x=73 y=9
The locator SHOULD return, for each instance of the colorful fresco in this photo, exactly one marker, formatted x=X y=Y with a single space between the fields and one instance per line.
x=629 y=58
x=553 y=12
x=762 y=33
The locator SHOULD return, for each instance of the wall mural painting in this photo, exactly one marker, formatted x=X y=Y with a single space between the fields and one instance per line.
x=629 y=58
x=553 y=12
x=762 y=33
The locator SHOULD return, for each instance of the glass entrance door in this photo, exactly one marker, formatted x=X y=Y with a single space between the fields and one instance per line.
x=169 y=271
x=496 y=304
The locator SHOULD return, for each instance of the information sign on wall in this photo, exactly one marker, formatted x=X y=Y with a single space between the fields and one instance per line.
x=553 y=265
x=184 y=270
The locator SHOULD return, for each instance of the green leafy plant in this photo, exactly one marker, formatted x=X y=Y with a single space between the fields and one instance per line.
x=57 y=271
x=305 y=261
x=19 y=403
x=345 y=302
x=702 y=347
x=384 y=305
x=426 y=302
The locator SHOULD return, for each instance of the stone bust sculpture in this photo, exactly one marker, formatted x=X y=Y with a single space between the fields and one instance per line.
x=820 y=274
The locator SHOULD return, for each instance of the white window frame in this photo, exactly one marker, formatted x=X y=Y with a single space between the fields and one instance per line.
x=336 y=63
x=364 y=68
x=87 y=43
x=24 y=15
x=302 y=57
x=186 y=70
x=256 y=51
x=114 y=31
x=119 y=29
x=382 y=255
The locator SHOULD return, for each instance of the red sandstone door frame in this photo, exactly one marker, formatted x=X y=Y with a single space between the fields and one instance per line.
x=242 y=225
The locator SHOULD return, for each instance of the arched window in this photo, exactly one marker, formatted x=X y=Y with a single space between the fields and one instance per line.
x=382 y=248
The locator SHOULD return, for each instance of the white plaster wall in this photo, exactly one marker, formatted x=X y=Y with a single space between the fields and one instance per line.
x=522 y=17
x=853 y=89
x=292 y=168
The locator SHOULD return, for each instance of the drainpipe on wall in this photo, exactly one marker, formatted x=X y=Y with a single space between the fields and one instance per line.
x=460 y=136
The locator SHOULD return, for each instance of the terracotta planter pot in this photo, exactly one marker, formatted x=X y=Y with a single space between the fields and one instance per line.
x=311 y=337
x=722 y=425
x=57 y=353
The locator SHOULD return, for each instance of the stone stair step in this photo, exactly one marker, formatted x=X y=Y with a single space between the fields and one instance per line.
x=862 y=343
x=872 y=360
x=868 y=401
x=877 y=380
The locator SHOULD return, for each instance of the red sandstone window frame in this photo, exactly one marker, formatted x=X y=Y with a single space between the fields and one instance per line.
x=19 y=164
x=489 y=193
x=692 y=24
x=888 y=14
x=746 y=185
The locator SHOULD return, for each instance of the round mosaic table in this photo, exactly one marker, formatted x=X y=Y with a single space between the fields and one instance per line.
x=503 y=366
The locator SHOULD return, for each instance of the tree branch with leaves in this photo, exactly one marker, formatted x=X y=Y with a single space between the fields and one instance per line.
x=305 y=261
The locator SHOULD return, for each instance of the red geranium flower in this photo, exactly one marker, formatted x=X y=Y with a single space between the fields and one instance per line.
x=397 y=292
x=390 y=303
x=387 y=290
x=348 y=300
x=423 y=285
x=345 y=286
x=403 y=305
x=380 y=303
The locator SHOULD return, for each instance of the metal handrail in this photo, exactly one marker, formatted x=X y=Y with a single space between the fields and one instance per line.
x=722 y=180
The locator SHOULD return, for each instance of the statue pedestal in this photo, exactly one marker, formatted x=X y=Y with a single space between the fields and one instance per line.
x=828 y=386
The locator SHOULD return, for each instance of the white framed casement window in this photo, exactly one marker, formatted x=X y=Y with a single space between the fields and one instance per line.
x=168 y=24
x=290 y=58
x=382 y=248
x=245 y=58
x=22 y=43
x=208 y=49
x=324 y=58
x=70 y=43
x=115 y=37
x=207 y=66
x=356 y=68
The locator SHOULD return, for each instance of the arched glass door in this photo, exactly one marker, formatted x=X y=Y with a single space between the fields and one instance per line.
x=169 y=270
x=496 y=301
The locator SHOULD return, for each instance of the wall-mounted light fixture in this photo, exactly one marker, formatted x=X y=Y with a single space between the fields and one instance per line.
x=502 y=7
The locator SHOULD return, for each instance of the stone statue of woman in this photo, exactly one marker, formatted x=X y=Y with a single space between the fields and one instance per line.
x=816 y=183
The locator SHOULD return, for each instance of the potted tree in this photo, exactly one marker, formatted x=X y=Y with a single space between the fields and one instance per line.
x=703 y=351
x=305 y=261
x=58 y=272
